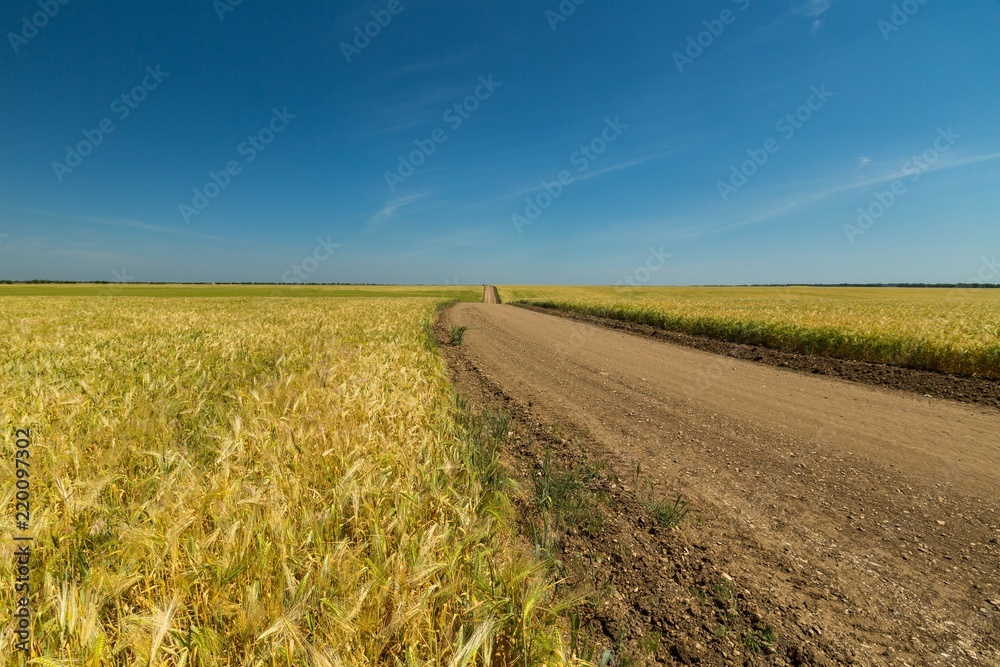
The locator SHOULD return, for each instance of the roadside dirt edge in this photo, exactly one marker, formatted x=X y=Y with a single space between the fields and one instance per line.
x=960 y=388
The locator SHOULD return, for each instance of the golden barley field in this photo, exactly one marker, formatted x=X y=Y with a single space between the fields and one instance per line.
x=234 y=481
x=939 y=329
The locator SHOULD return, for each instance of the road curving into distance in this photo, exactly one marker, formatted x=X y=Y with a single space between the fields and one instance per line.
x=874 y=513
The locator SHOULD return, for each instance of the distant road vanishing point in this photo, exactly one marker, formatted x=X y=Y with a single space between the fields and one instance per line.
x=490 y=294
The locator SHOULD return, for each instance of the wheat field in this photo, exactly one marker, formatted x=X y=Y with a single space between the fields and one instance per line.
x=228 y=481
x=948 y=330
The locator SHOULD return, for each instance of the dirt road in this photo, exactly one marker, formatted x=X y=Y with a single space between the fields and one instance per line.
x=490 y=294
x=866 y=517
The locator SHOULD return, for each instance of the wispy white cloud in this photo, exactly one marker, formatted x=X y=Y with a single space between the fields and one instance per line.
x=437 y=63
x=394 y=205
x=149 y=227
x=628 y=164
x=815 y=9
x=908 y=170
x=783 y=208
x=410 y=110
x=616 y=167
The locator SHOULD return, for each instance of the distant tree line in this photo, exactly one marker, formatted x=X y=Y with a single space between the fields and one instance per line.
x=110 y=282
x=935 y=285
x=113 y=282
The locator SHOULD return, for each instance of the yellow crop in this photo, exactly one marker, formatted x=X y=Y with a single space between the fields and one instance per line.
x=255 y=482
x=947 y=330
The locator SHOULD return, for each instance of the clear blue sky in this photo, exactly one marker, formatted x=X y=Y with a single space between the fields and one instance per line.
x=663 y=134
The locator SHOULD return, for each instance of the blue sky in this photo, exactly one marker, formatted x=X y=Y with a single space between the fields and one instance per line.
x=667 y=123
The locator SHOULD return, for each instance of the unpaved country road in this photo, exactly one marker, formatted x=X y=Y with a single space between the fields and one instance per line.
x=871 y=514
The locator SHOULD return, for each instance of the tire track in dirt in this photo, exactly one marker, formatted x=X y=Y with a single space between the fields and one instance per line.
x=871 y=514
